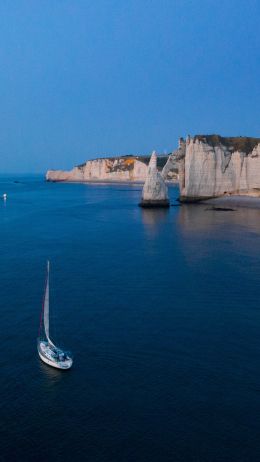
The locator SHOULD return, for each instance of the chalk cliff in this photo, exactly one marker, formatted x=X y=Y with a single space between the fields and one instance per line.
x=212 y=166
x=124 y=168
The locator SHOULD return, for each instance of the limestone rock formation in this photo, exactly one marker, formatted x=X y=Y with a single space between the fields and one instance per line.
x=155 y=192
x=124 y=168
x=212 y=166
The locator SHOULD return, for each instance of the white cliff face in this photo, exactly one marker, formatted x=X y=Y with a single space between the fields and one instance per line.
x=110 y=169
x=208 y=170
x=155 y=189
x=61 y=175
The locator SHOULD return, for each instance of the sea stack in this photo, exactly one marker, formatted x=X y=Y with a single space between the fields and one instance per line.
x=155 y=191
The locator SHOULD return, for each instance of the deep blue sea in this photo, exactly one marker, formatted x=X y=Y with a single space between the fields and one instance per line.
x=161 y=310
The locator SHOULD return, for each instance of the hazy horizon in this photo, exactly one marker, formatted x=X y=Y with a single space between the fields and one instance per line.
x=87 y=80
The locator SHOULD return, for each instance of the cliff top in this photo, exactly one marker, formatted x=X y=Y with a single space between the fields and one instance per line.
x=237 y=143
x=161 y=159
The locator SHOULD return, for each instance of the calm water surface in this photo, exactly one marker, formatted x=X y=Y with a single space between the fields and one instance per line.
x=161 y=310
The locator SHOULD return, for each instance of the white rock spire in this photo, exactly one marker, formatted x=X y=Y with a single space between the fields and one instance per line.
x=155 y=191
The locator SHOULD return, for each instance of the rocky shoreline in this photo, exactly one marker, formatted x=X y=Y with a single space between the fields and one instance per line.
x=235 y=201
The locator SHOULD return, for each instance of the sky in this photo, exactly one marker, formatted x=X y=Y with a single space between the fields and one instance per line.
x=81 y=79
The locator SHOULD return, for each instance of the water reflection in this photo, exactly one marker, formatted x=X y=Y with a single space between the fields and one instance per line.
x=194 y=219
x=51 y=375
x=3 y=199
x=205 y=233
x=153 y=219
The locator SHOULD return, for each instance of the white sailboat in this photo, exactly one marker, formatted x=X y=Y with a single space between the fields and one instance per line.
x=48 y=352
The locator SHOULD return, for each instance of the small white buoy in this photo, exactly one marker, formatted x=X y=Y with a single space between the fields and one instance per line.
x=4 y=196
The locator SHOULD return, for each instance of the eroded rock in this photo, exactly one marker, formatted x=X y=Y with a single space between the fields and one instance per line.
x=155 y=191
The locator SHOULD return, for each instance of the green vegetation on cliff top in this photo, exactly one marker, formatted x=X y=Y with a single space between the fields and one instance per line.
x=237 y=143
x=161 y=161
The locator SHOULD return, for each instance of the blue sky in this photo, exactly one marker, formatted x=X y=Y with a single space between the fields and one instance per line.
x=81 y=79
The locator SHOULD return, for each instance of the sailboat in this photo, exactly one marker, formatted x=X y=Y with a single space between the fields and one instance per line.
x=48 y=352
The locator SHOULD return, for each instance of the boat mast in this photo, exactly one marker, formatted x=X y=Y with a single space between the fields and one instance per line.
x=44 y=297
x=45 y=307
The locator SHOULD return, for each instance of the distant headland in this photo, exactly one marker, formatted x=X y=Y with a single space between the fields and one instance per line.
x=128 y=168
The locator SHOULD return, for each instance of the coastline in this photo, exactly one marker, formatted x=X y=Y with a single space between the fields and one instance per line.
x=97 y=181
x=235 y=201
x=107 y=181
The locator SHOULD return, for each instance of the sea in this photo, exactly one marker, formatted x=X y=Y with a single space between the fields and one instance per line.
x=161 y=310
